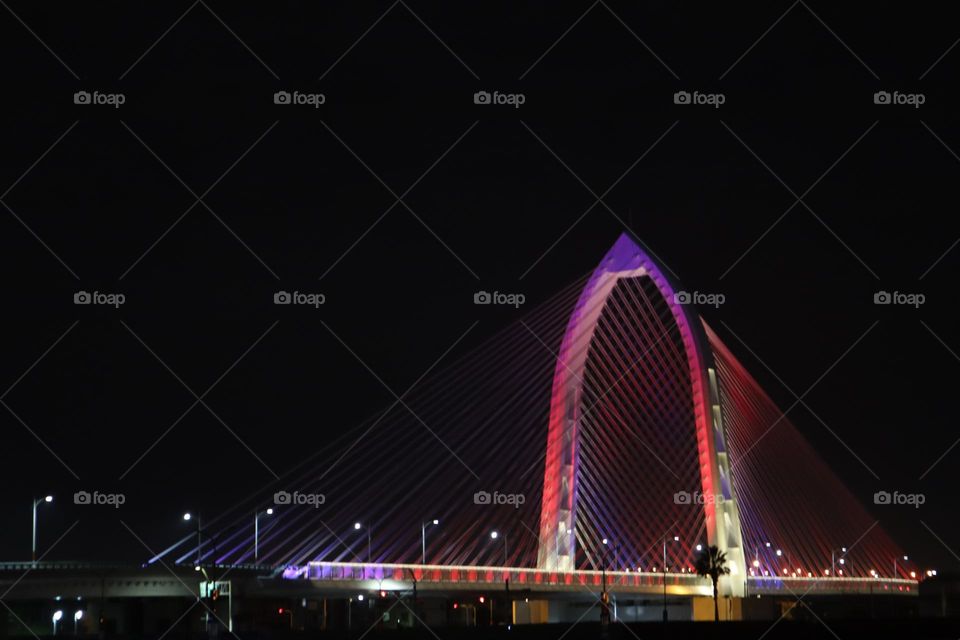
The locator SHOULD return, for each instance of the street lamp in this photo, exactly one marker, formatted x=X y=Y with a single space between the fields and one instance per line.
x=33 y=546
x=256 y=530
x=675 y=539
x=56 y=618
x=356 y=527
x=493 y=536
x=423 y=539
x=76 y=618
x=905 y=558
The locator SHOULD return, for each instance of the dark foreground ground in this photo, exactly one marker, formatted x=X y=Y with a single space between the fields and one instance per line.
x=940 y=629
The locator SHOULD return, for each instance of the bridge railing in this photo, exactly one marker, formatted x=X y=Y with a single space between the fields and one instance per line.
x=800 y=585
x=488 y=575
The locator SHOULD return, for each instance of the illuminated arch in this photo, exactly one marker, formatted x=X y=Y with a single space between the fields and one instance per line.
x=557 y=551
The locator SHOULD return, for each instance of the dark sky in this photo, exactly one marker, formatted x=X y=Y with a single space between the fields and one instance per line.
x=292 y=199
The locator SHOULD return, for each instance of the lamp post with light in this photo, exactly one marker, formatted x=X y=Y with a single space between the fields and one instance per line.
x=256 y=530
x=33 y=546
x=423 y=539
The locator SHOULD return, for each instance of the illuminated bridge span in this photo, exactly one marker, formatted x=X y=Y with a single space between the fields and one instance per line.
x=607 y=430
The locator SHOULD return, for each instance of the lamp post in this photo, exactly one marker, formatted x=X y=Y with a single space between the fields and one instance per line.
x=905 y=558
x=493 y=536
x=33 y=545
x=256 y=530
x=356 y=527
x=57 y=615
x=833 y=561
x=423 y=539
x=675 y=539
x=76 y=619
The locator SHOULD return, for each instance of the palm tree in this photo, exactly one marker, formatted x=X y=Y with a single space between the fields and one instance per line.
x=712 y=563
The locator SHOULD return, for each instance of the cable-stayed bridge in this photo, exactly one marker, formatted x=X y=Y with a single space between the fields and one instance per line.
x=601 y=441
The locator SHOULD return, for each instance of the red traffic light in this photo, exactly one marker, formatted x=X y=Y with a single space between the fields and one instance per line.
x=280 y=610
x=455 y=605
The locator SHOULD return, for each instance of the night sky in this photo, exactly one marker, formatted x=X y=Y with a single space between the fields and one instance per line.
x=797 y=199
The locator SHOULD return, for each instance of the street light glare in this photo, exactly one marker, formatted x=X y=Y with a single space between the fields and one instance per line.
x=356 y=525
x=78 y=614
x=270 y=511
x=57 y=615
x=436 y=522
x=494 y=534
x=48 y=499
x=187 y=516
